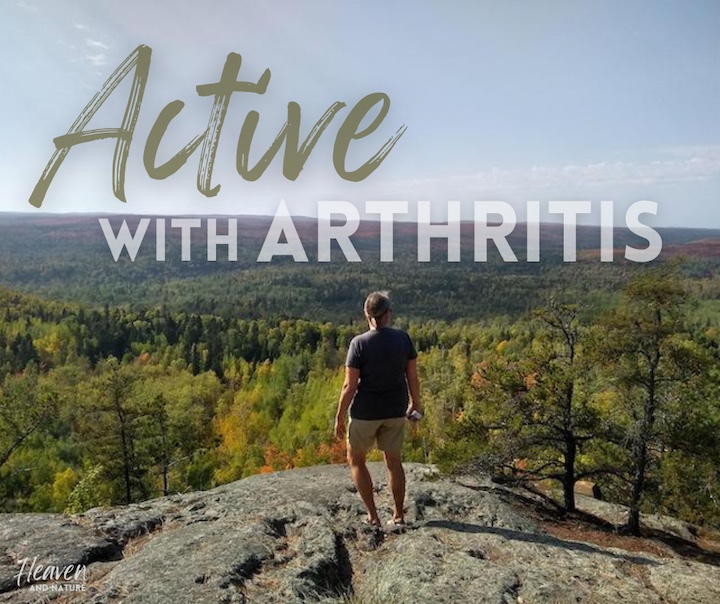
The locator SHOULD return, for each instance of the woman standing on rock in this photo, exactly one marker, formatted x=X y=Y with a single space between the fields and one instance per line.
x=379 y=371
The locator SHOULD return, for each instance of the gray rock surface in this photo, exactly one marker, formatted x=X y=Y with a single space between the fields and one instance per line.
x=300 y=536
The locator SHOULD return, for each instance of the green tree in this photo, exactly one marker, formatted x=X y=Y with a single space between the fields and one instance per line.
x=650 y=360
x=111 y=427
x=25 y=405
x=177 y=423
x=161 y=446
x=536 y=410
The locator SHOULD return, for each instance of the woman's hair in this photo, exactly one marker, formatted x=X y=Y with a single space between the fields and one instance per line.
x=376 y=305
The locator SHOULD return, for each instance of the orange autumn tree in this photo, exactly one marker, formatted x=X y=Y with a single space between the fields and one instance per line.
x=276 y=460
x=281 y=417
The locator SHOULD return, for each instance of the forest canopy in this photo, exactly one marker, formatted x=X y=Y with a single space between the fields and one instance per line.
x=194 y=377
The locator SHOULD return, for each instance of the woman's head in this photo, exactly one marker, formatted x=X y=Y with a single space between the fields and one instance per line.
x=377 y=308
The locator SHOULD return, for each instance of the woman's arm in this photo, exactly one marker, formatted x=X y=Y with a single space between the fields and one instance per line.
x=349 y=388
x=413 y=385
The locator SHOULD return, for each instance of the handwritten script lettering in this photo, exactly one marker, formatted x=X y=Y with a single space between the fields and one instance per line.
x=296 y=153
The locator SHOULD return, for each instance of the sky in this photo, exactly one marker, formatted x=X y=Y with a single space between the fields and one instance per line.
x=503 y=100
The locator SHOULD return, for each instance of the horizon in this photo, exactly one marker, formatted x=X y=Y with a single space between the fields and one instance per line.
x=503 y=101
x=302 y=217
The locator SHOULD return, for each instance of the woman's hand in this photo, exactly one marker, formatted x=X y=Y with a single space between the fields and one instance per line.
x=413 y=413
x=340 y=428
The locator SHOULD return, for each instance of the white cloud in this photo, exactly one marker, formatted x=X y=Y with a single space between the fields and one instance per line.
x=692 y=151
x=97 y=60
x=80 y=26
x=96 y=44
x=690 y=164
x=28 y=6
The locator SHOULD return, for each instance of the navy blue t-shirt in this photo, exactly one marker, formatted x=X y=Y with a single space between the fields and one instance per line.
x=382 y=356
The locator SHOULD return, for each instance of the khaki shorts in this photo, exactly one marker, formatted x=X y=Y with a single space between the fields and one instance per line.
x=389 y=434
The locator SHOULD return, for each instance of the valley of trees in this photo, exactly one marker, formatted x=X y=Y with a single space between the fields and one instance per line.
x=110 y=405
x=122 y=382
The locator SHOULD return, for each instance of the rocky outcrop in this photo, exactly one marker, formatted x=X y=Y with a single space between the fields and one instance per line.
x=300 y=536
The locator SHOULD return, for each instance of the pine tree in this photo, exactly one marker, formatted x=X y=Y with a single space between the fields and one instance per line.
x=644 y=351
